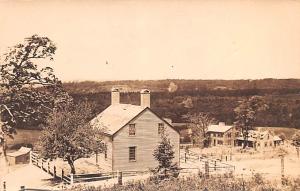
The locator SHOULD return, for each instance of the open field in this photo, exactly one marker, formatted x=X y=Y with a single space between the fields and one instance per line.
x=266 y=162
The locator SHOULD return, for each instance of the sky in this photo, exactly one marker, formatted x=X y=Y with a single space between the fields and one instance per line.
x=141 y=40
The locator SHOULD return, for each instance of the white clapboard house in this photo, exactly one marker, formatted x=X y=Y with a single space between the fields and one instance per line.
x=132 y=134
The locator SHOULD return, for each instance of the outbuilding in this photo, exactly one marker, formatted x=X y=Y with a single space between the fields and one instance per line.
x=21 y=156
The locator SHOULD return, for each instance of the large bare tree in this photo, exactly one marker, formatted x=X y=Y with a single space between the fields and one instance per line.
x=246 y=113
x=198 y=123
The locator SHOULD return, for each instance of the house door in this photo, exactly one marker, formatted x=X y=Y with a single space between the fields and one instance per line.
x=214 y=142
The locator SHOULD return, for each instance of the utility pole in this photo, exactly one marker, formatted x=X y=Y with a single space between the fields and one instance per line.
x=282 y=169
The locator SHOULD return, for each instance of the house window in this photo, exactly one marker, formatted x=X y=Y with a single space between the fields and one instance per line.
x=132 y=153
x=229 y=135
x=220 y=142
x=131 y=129
x=161 y=128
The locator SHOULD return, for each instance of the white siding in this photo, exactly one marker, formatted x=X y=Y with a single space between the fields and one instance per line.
x=145 y=140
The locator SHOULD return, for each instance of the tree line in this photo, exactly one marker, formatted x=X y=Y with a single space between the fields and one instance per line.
x=283 y=109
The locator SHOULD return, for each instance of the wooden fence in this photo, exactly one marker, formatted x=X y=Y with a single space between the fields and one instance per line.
x=45 y=165
x=206 y=162
x=208 y=166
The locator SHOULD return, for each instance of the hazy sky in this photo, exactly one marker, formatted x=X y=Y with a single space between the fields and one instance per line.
x=161 y=39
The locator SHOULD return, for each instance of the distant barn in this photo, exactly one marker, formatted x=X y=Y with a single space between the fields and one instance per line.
x=132 y=134
x=21 y=156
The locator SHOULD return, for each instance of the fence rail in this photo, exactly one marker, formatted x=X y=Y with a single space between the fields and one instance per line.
x=203 y=163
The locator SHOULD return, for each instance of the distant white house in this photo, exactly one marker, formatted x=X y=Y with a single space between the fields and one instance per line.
x=221 y=134
x=132 y=134
x=260 y=140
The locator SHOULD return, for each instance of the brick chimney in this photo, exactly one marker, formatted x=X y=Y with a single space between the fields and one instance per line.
x=221 y=123
x=145 y=98
x=115 y=96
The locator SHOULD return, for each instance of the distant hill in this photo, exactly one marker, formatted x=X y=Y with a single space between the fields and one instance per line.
x=175 y=98
x=181 y=85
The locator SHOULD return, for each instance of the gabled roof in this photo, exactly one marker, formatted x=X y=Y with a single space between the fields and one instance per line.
x=116 y=116
x=276 y=138
x=21 y=151
x=218 y=128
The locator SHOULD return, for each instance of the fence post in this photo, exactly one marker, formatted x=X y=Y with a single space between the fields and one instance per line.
x=282 y=170
x=36 y=160
x=30 y=157
x=96 y=157
x=206 y=166
x=215 y=165
x=62 y=174
x=4 y=186
x=22 y=188
x=54 y=171
x=120 y=178
x=71 y=179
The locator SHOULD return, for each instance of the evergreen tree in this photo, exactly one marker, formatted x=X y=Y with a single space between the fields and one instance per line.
x=164 y=154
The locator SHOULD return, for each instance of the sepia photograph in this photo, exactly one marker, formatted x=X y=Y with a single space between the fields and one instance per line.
x=161 y=95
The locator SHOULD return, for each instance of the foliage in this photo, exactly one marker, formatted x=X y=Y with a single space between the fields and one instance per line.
x=194 y=183
x=282 y=110
x=29 y=89
x=199 y=123
x=296 y=139
x=69 y=135
x=253 y=87
x=258 y=179
x=282 y=136
x=164 y=154
x=246 y=114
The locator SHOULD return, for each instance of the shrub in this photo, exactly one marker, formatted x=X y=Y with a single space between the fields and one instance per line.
x=194 y=183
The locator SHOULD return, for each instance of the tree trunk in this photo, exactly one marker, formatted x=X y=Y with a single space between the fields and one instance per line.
x=4 y=150
x=71 y=164
x=245 y=142
x=3 y=161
